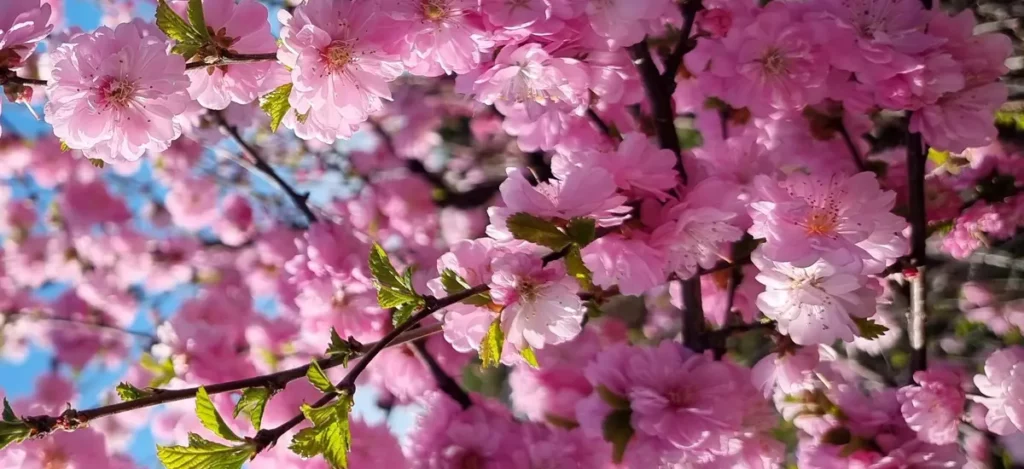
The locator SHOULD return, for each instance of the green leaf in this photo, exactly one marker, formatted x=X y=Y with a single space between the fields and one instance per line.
x=689 y=138
x=8 y=414
x=384 y=273
x=404 y=312
x=529 y=355
x=329 y=436
x=318 y=378
x=454 y=283
x=174 y=26
x=574 y=266
x=869 y=329
x=938 y=157
x=252 y=403
x=186 y=49
x=128 y=392
x=198 y=19
x=490 y=347
x=389 y=297
x=613 y=400
x=393 y=289
x=347 y=349
x=276 y=105
x=163 y=372
x=582 y=231
x=617 y=430
x=537 y=230
x=13 y=432
x=204 y=454
x=211 y=419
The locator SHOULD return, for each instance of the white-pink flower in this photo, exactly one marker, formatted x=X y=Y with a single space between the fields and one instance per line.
x=337 y=51
x=23 y=23
x=1002 y=387
x=115 y=93
x=541 y=305
x=441 y=36
x=638 y=166
x=933 y=407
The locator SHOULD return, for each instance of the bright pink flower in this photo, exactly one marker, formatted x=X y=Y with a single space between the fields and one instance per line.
x=541 y=304
x=551 y=393
x=631 y=263
x=715 y=295
x=192 y=203
x=447 y=437
x=788 y=372
x=622 y=23
x=584 y=192
x=560 y=448
x=334 y=251
x=933 y=407
x=773 y=64
x=1003 y=388
x=114 y=93
x=235 y=226
x=516 y=14
x=694 y=236
x=714 y=21
x=374 y=446
x=85 y=204
x=814 y=304
x=440 y=36
x=638 y=166
x=340 y=70
x=530 y=77
x=844 y=220
x=23 y=23
x=241 y=28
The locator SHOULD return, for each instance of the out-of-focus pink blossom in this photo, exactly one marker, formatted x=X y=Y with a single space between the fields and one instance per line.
x=1002 y=387
x=23 y=23
x=933 y=407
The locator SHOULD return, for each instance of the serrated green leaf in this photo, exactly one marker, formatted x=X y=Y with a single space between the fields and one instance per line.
x=128 y=392
x=577 y=269
x=198 y=19
x=204 y=454
x=174 y=26
x=454 y=283
x=211 y=419
x=581 y=231
x=329 y=436
x=252 y=403
x=8 y=414
x=618 y=430
x=537 y=230
x=403 y=313
x=529 y=355
x=163 y=372
x=384 y=273
x=345 y=348
x=493 y=341
x=318 y=378
x=869 y=329
x=186 y=49
x=13 y=432
x=394 y=290
x=276 y=105
x=611 y=398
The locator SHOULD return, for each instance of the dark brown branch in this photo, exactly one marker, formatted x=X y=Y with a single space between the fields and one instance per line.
x=601 y=124
x=228 y=58
x=661 y=102
x=445 y=382
x=301 y=201
x=858 y=159
x=689 y=8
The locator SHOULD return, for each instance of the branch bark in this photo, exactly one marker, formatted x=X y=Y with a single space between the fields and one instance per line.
x=917 y=314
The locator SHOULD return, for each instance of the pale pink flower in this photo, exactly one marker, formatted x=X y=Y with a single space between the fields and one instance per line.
x=441 y=36
x=82 y=449
x=235 y=226
x=530 y=77
x=516 y=14
x=584 y=192
x=192 y=202
x=540 y=303
x=23 y=23
x=1003 y=388
x=240 y=28
x=786 y=371
x=916 y=454
x=694 y=236
x=628 y=262
x=374 y=446
x=621 y=23
x=844 y=220
x=715 y=296
x=333 y=251
x=638 y=166
x=114 y=93
x=933 y=407
x=814 y=304
x=340 y=67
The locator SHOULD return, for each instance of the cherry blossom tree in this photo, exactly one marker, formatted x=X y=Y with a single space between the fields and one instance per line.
x=564 y=233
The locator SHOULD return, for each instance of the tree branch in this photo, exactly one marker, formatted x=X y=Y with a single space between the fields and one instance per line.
x=852 y=146
x=230 y=58
x=689 y=8
x=96 y=325
x=444 y=381
x=601 y=124
x=299 y=200
x=661 y=102
x=917 y=314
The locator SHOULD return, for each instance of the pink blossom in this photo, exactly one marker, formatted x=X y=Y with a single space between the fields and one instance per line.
x=551 y=393
x=333 y=251
x=638 y=166
x=933 y=407
x=622 y=23
x=695 y=236
x=1003 y=389
x=844 y=220
x=585 y=192
x=541 y=305
x=192 y=203
x=81 y=449
x=374 y=446
x=235 y=226
x=87 y=203
x=114 y=93
x=788 y=372
x=441 y=36
x=530 y=77
x=920 y=455
x=630 y=263
x=814 y=304
x=448 y=437
x=715 y=295
x=340 y=68
x=714 y=21
x=23 y=23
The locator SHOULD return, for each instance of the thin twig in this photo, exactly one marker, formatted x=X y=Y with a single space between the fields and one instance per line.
x=233 y=59
x=661 y=102
x=301 y=201
x=854 y=152
x=918 y=314
x=96 y=325
x=444 y=381
x=601 y=124
x=689 y=9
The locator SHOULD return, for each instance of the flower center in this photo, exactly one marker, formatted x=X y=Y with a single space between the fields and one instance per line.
x=435 y=10
x=527 y=291
x=337 y=55
x=680 y=398
x=774 y=62
x=820 y=223
x=118 y=92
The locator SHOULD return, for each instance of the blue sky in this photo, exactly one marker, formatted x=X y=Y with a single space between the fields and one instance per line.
x=17 y=379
